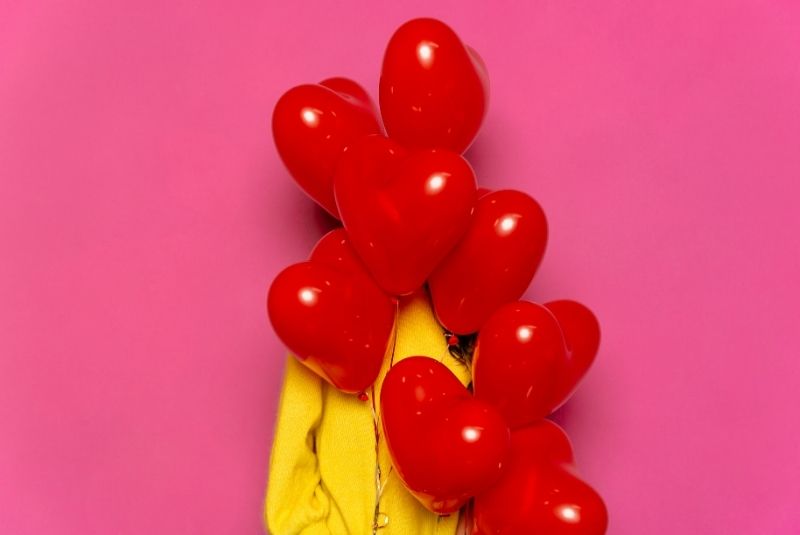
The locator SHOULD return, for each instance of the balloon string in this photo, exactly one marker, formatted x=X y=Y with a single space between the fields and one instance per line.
x=468 y=518
x=380 y=485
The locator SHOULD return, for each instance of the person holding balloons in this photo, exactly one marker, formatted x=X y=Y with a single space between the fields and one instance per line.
x=416 y=396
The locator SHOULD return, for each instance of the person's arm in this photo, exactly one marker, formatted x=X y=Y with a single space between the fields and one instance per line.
x=296 y=503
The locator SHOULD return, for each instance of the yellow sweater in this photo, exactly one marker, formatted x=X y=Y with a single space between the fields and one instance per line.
x=323 y=470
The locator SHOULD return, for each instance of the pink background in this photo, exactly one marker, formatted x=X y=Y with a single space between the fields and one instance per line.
x=143 y=212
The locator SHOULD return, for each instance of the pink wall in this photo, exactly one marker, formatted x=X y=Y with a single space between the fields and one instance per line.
x=143 y=212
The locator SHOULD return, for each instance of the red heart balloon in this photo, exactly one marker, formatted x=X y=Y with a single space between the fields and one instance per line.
x=582 y=336
x=312 y=124
x=434 y=91
x=332 y=316
x=403 y=210
x=335 y=251
x=539 y=491
x=494 y=262
x=519 y=356
x=445 y=445
x=350 y=89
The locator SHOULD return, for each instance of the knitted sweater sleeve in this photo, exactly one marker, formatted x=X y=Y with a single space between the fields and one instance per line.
x=296 y=503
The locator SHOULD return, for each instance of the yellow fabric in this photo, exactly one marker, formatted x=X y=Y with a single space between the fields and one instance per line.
x=322 y=478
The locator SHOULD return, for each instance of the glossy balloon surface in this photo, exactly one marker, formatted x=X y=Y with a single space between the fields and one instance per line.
x=351 y=90
x=332 y=316
x=434 y=91
x=582 y=336
x=494 y=262
x=519 y=355
x=335 y=251
x=446 y=446
x=403 y=210
x=539 y=491
x=312 y=125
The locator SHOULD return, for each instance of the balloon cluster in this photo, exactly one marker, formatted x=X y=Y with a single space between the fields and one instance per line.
x=412 y=215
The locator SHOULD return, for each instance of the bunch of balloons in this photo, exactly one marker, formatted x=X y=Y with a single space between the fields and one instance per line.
x=412 y=215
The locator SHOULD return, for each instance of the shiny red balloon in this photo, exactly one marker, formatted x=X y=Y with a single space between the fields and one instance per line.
x=434 y=90
x=582 y=336
x=518 y=358
x=335 y=251
x=312 y=125
x=403 y=210
x=445 y=445
x=539 y=491
x=332 y=316
x=351 y=90
x=494 y=262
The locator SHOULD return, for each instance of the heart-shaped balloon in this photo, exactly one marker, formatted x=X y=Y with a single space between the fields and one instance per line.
x=312 y=125
x=494 y=262
x=445 y=445
x=332 y=316
x=519 y=356
x=335 y=251
x=434 y=90
x=403 y=210
x=582 y=336
x=539 y=491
